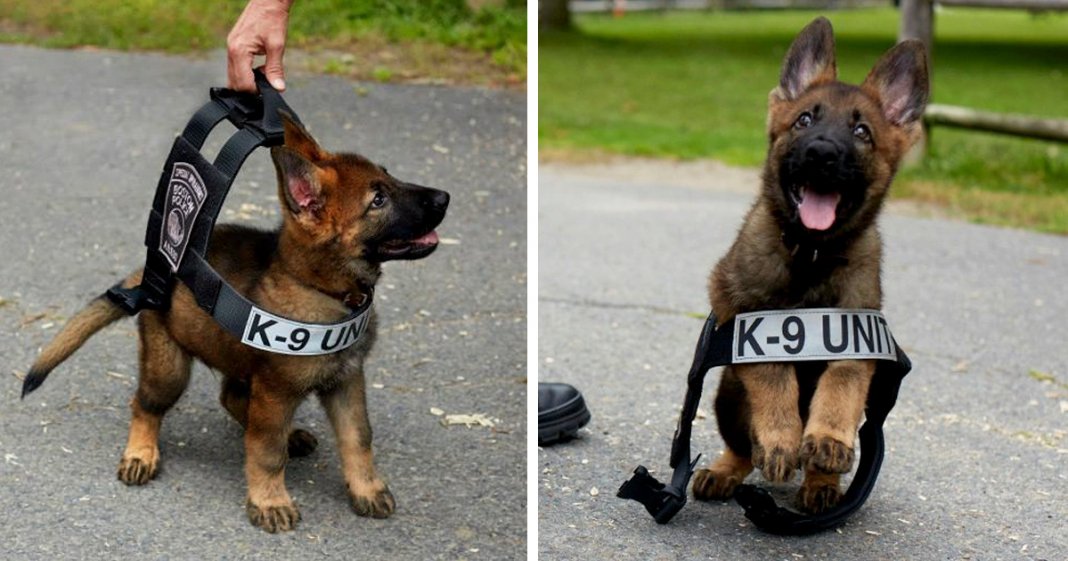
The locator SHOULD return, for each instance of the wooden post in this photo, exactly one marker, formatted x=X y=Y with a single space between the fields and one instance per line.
x=554 y=14
x=917 y=22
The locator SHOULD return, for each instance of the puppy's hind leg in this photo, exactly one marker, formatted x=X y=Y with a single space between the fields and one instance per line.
x=819 y=491
x=718 y=481
x=164 y=376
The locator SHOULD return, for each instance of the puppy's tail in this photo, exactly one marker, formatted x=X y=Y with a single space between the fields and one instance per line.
x=100 y=313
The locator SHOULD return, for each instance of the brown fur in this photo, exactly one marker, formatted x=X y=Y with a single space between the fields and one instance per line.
x=778 y=417
x=327 y=252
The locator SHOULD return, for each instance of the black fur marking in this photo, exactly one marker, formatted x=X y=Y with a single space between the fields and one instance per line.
x=33 y=381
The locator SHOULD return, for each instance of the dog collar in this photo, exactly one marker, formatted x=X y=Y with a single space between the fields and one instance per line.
x=814 y=334
x=189 y=196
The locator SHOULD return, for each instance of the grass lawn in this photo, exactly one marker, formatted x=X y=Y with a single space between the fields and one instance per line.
x=695 y=85
x=383 y=39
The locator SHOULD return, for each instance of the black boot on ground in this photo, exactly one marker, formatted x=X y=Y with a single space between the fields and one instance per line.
x=561 y=413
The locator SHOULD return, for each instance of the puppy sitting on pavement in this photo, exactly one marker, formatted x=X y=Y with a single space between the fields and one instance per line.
x=811 y=241
x=343 y=216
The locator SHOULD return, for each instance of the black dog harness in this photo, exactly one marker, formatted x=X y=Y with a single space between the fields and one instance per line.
x=783 y=336
x=188 y=199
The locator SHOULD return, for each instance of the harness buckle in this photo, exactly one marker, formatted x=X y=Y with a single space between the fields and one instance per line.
x=658 y=499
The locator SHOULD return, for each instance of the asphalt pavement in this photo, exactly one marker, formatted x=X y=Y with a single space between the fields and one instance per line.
x=84 y=136
x=977 y=455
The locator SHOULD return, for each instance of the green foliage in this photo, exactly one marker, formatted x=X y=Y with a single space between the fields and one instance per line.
x=691 y=85
x=382 y=74
x=189 y=25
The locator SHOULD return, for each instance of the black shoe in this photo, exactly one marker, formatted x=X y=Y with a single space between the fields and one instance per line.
x=561 y=413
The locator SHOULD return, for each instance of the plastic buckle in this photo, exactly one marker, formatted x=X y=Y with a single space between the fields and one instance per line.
x=659 y=501
x=134 y=299
x=131 y=300
x=243 y=109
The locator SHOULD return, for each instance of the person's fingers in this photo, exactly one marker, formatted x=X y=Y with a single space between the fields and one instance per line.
x=239 y=70
x=272 y=68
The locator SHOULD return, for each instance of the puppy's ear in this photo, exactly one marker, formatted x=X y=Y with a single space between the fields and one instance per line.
x=899 y=82
x=299 y=139
x=298 y=182
x=809 y=62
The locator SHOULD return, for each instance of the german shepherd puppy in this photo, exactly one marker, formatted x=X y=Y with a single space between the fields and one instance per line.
x=342 y=217
x=810 y=240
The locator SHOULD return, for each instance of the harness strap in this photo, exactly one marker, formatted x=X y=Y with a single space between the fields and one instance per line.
x=188 y=199
x=718 y=346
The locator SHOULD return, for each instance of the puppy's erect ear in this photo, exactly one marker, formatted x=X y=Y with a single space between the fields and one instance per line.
x=809 y=62
x=899 y=81
x=298 y=182
x=300 y=140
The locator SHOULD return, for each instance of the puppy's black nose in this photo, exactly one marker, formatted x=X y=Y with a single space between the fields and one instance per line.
x=437 y=200
x=822 y=153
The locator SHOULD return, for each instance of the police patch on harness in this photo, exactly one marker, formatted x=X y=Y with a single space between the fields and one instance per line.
x=269 y=332
x=185 y=196
x=812 y=334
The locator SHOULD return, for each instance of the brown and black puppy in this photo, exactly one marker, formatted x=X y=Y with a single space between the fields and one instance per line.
x=342 y=217
x=810 y=241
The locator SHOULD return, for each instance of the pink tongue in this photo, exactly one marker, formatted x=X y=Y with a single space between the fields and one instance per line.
x=817 y=209
x=429 y=239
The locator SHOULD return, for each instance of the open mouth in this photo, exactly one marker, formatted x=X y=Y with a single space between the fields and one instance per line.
x=817 y=210
x=410 y=249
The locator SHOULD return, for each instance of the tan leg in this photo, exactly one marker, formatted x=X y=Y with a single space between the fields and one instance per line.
x=164 y=376
x=775 y=419
x=234 y=398
x=718 y=481
x=269 y=415
x=346 y=406
x=834 y=415
x=819 y=491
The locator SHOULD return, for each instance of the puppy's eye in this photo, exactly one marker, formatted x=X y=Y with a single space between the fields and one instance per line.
x=862 y=132
x=380 y=200
x=804 y=121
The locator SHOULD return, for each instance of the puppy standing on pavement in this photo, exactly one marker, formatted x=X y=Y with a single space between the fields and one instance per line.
x=810 y=241
x=342 y=217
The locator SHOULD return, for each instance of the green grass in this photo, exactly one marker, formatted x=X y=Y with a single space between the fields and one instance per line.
x=695 y=85
x=181 y=26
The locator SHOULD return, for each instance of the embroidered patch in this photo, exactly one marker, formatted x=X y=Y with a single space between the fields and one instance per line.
x=185 y=196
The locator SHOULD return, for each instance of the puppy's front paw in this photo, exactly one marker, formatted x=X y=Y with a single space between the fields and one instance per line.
x=139 y=467
x=776 y=463
x=372 y=499
x=826 y=454
x=273 y=518
x=818 y=495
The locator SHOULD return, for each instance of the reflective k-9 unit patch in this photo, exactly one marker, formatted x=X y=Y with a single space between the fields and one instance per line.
x=812 y=334
x=269 y=332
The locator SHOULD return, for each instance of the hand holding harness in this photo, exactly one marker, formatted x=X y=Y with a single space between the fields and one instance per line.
x=783 y=336
x=189 y=196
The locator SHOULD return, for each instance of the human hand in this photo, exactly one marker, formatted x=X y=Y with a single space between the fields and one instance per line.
x=261 y=30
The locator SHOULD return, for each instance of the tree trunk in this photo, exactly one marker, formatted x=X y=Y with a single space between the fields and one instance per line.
x=554 y=14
